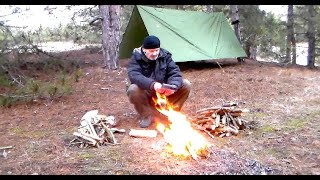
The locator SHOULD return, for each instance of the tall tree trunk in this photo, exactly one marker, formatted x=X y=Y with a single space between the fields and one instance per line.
x=293 y=39
x=289 y=33
x=104 y=13
x=235 y=21
x=311 y=36
x=115 y=24
x=110 y=34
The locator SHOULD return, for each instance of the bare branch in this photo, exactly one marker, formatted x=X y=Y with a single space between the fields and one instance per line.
x=94 y=20
x=12 y=77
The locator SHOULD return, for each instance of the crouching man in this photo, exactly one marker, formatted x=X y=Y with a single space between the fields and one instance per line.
x=149 y=67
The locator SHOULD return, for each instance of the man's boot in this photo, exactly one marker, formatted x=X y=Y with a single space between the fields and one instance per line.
x=141 y=101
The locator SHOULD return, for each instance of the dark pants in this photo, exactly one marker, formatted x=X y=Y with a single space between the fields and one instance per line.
x=144 y=105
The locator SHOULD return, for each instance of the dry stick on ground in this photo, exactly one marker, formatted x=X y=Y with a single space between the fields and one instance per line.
x=220 y=66
x=6 y=147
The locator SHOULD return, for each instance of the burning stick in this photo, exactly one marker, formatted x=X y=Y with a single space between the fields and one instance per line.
x=143 y=133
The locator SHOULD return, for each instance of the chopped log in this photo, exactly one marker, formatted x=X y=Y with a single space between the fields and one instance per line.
x=101 y=117
x=208 y=132
x=239 y=121
x=233 y=121
x=92 y=130
x=117 y=130
x=143 y=133
x=224 y=119
x=110 y=135
x=233 y=130
x=91 y=140
x=241 y=110
x=217 y=120
x=208 y=109
x=209 y=126
x=236 y=114
x=204 y=120
x=102 y=131
x=229 y=104
x=93 y=137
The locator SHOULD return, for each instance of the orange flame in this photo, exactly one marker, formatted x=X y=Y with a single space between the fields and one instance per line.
x=179 y=134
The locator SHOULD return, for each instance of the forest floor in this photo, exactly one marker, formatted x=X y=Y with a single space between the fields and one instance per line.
x=283 y=138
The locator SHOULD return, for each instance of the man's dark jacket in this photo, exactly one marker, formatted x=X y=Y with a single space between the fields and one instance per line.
x=144 y=72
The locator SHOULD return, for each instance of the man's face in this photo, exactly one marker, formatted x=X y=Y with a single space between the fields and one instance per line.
x=152 y=54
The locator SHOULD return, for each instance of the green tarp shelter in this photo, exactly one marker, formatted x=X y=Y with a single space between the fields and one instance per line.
x=188 y=35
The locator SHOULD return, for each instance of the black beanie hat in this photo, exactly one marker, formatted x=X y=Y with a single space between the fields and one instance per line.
x=151 y=42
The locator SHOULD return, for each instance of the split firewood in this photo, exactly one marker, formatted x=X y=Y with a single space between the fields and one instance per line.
x=239 y=121
x=117 y=130
x=221 y=121
x=229 y=104
x=94 y=130
x=201 y=121
x=110 y=135
x=217 y=121
x=233 y=130
x=233 y=122
x=224 y=120
x=101 y=132
x=207 y=109
x=143 y=133
x=93 y=141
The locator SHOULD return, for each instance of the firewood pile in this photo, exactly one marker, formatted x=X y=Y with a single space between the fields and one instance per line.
x=95 y=130
x=220 y=121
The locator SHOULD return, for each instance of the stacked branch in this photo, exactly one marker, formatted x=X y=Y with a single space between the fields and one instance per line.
x=220 y=121
x=95 y=130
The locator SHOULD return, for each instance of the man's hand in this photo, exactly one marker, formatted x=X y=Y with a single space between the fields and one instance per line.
x=158 y=87
x=168 y=92
x=170 y=89
x=162 y=89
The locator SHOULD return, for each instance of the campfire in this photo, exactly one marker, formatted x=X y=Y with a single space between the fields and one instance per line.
x=182 y=139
